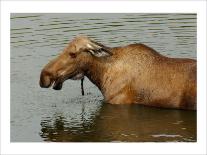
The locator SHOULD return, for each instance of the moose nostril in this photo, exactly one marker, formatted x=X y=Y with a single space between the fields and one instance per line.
x=45 y=80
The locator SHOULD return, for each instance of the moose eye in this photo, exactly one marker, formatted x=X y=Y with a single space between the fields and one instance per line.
x=72 y=55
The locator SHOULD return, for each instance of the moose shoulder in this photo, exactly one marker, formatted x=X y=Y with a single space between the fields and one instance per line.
x=132 y=74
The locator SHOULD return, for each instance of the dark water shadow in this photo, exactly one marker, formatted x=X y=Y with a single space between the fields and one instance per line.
x=123 y=123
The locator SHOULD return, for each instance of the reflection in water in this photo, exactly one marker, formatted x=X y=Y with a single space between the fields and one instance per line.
x=43 y=114
x=123 y=123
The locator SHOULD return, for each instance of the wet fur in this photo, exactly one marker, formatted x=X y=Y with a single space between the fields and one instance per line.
x=138 y=74
x=132 y=74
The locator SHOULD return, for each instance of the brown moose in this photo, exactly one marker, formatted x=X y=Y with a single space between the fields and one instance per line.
x=132 y=74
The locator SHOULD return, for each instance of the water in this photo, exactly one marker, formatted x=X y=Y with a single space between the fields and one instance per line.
x=65 y=116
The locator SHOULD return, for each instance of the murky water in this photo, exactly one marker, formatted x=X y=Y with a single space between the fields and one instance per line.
x=47 y=115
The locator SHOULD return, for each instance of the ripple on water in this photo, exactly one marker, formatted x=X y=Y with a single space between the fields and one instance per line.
x=65 y=115
x=166 y=135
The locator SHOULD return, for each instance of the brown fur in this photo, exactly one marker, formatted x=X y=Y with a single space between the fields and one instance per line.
x=133 y=74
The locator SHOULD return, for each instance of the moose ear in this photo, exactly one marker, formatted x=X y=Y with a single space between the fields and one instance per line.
x=97 y=49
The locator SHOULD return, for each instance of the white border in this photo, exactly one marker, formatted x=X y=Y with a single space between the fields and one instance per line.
x=8 y=7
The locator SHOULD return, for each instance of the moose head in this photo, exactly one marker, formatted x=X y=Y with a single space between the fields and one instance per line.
x=71 y=62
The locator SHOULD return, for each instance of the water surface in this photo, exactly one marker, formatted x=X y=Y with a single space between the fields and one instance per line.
x=46 y=115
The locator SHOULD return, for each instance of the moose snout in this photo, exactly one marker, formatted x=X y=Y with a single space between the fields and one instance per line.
x=46 y=79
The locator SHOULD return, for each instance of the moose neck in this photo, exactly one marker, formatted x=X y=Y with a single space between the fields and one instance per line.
x=95 y=72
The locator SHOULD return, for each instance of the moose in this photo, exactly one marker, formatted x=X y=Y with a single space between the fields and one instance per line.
x=131 y=74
